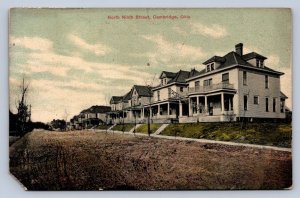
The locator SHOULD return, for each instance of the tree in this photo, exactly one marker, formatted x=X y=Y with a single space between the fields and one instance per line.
x=23 y=123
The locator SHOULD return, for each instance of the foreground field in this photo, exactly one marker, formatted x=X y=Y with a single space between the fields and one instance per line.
x=93 y=161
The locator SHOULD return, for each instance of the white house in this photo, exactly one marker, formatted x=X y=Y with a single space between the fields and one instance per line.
x=236 y=86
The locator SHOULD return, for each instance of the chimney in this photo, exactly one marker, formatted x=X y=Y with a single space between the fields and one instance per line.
x=239 y=49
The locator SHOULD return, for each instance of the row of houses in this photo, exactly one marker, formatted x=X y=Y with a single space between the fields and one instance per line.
x=232 y=87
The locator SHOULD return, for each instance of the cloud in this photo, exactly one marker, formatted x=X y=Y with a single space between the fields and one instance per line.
x=71 y=91
x=98 y=49
x=32 y=43
x=214 y=30
x=170 y=52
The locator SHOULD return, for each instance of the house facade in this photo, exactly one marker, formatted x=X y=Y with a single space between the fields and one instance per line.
x=90 y=117
x=233 y=87
x=130 y=107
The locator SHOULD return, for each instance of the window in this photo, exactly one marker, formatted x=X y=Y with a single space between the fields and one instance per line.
x=208 y=68
x=197 y=85
x=282 y=106
x=162 y=81
x=207 y=82
x=225 y=78
x=244 y=78
x=212 y=66
x=257 y=63
x=261 y=63
x=245 y=102
x=274 y=104
x=255 y=100
x=158 y=95
x=165 y=81
x=169 y=92
x=181 y=89
x=266 y=81
x=267 y=104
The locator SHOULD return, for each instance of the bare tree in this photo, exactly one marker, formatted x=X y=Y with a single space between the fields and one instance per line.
x=23 y=124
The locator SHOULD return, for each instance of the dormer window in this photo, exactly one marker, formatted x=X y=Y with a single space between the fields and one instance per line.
x=261 y=63
x=212 y=66
x=208 y=68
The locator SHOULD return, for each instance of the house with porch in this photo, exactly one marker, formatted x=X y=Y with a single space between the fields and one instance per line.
x=130 y=107
x=90 y=117
x=235 y=87
x=169 y=97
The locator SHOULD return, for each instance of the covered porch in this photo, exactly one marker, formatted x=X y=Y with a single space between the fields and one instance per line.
x=212 y=107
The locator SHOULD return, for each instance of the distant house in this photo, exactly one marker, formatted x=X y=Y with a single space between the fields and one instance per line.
x=233 y=87
x=90 y=117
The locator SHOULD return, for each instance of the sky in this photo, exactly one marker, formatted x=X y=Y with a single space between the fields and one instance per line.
x=76 y=58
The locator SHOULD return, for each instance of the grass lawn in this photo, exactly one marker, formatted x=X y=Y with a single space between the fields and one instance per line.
x=272 y=134
x=123 y=127
x=103 y=126
x=144 y=128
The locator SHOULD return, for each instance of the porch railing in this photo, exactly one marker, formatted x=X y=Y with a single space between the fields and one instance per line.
x=203 y=89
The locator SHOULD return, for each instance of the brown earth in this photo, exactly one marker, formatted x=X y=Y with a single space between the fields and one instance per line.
x=93 y=161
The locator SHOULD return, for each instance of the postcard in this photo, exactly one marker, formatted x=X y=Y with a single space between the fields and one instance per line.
x=150 y=99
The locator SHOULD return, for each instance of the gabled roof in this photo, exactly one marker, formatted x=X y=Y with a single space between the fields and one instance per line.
x=215 y=59
x=127 y=96
x=253 y=55
x=180 y=77
x=97 y=109
x=143 y=90
x=168 y=74
x=116 y=99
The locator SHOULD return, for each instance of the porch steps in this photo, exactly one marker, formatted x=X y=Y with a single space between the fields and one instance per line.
x=111 y=127
x=137 y=126
x=160 y=129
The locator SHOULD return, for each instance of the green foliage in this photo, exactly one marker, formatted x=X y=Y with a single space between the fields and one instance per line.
x=144 y=128
x=103 y=126
x=274 y=134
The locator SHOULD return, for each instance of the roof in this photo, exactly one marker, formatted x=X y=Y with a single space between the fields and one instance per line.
x=143 y=90
x=127 y=96
x=97 y=109
x=215 y=59
x=116 y=99
x=168 y=74
x=180 y=77
x=232 y=58
x=282 y=95
x=253 y=55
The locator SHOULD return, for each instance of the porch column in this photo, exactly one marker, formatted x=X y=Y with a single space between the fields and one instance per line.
x=190 y=108
x=180 y=109
x=205 y=105
x=168 y=109
x=143 y=113
x=150 y=112
x=158 y=110
x=222 y=103
x=197 y=105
